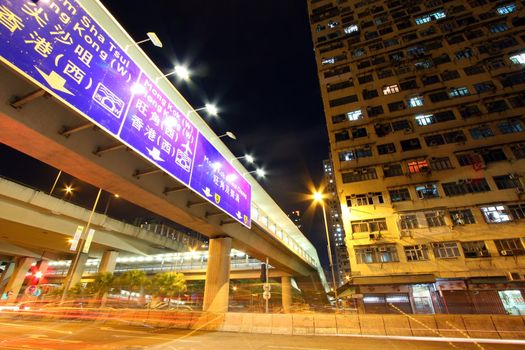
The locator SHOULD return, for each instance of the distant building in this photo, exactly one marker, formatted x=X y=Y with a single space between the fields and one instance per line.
x=335 y=226
x=296 y=218
x=425 y=105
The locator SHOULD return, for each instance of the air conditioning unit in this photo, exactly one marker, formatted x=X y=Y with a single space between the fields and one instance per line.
x=520 y=190
x=383 y=249
x=514 y=276
x=424 y=169
x=373 y=236
x=482 y=253
x=505 y=252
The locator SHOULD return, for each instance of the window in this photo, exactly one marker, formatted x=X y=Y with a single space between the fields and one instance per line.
x=438 y=96
x=386 y=148
x=462 y=217
x=475 y=249
x=512 y=246
x=401 y=125
x=354 y=115
x=369 y=94
x=473 y=70
x=481 y=132
x=418 y=166
x=411 y=144
x=390 y=89
x=506 y=181
x=484 y=87
x=518 y=59
x=408 y=222
x=518 y=150
x=462 y=187
x=492 y=155
x=434 y=140
x=359 y=132
x=399 y=195
x=510 y=126
x=396 y=106
x=465 y=53
x=343 y=100
x=517 y=211
x=415 y=101
x=360 y=174
x=392 y=170
x=506 y=9
x=416 y=252
x=376 y=254
x=430 y=17
x=441 y=163
x=342 y=136
x=498 y=27
x=435 y=218
x=454 y=136
x=373 y=111
x=444 y=250
x=427 y=191
x=495 y=214
x=370 y=198
x=351 y=29
x=373 y=225
x=449 y=75
x=365 y=78
x=469 y=111
x=458 y=92
x=425 y=119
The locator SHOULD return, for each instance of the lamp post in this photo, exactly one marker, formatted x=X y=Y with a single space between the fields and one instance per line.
x=153 y=38
x=80 y=248
x=109 y=202
x=180 y=71
x=318 y=197
x=249 y=159
x=210 y=108
x=229 y=134
x=260 y=172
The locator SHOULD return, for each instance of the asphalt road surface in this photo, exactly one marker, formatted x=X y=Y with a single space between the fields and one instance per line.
x=40 y=335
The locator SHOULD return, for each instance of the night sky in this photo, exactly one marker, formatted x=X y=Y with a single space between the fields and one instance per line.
x=255 y=60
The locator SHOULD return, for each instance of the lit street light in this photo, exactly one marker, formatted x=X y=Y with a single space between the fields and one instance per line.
x=229 y=134
x=180 y=71
x=109 y=201
x=249 y=159
x=259 y=172
x=318 y=197
x=153 y=38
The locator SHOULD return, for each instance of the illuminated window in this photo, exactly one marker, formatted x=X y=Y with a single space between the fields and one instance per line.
x=435 y=218
x=416 y=252
x=425 y=119
x=332 y=24
x=354 y=115
x=431 y=17
x=326 y=61
x=419 y=166
x=390 y=89
x=457 y=92
x=518 y=59
x=351 y=29
x=495 y=214
x=506 y=9
x=415 y=101
x=427 y=191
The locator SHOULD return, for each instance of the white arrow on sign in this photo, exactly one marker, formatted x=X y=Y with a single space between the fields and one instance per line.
x=239 y=215
x=206 y=191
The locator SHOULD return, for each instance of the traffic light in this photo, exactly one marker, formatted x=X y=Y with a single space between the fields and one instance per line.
x=263 y=273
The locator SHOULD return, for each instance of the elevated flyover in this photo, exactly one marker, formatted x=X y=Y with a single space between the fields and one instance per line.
x=39 y=118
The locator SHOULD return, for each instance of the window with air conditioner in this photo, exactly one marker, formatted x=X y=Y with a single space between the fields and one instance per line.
x=462 y=217
x=427 y=191
x=509 y=247
x=475 y=249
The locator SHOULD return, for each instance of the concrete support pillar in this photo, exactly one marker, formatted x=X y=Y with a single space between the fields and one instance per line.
x=76 y=275
x=6 y=274
x=23 y=264
x=217 y=285
x=286 y=293
x=108 y=262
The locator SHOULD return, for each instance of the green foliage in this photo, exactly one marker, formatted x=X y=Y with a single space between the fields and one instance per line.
x=167 y=284
x=133 y=280
x=102 y=284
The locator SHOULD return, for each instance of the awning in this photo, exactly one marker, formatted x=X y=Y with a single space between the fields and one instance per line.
x=409 y=279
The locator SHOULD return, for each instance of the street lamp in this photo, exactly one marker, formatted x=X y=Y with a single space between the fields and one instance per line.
x=248 y=157
x=210 y=108
x=318 y=197
x=229 y=134
x=260 y=172
x=153 y=38
x=180 y=71
x=109 y=201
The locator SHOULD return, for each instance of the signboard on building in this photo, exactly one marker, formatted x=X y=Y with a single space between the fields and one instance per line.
x=59 y=46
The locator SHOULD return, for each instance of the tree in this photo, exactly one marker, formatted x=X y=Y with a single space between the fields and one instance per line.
x=132 y=281
x=168 y=284
x=101 y=285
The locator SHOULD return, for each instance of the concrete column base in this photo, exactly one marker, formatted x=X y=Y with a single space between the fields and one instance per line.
x=217 y=287
x=76 y=275
x=23 y=264
x=108 y=262
x=286 y=293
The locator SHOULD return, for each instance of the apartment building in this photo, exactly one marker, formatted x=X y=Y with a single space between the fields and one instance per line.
x=335 y=225
x=425 y=105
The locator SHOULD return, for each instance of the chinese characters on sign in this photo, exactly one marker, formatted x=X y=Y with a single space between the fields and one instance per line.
x=59 y=45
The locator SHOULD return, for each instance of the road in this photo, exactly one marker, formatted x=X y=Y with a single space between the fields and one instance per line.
x=84 y=335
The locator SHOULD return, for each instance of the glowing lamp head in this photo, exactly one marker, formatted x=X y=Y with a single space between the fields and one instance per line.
x=68 y=189
x=260 y=172
x=211 y=109
x=318 y=196
x=154 y=39
x=249 y=158
x=182 y=72
x=39 y=274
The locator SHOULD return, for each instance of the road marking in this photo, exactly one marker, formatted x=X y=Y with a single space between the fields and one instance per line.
x=436 y=339
x=36 y=327
x=292 y=347
x=159 y=338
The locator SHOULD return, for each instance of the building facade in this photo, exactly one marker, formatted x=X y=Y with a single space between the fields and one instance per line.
x=425 y=104
x=335 y=225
